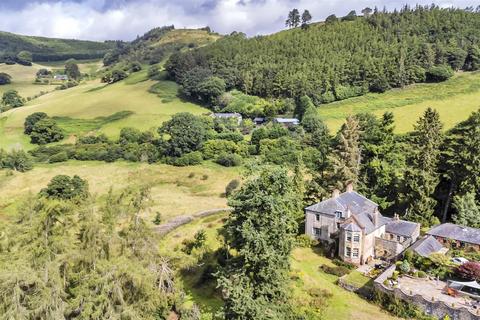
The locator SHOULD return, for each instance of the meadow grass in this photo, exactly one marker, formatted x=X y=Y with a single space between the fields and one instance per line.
x=93 y=100
x=454 y=99
x=175 y=190
x=22 y=80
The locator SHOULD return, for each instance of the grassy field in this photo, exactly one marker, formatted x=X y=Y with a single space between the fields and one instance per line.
x=174 y=190
x=305 y=275
x=22 y=80
x=454 y=99
x=81 y=106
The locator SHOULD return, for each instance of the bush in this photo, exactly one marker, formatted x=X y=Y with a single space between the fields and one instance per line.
x=46 y=131
x=341 y=263
x=5 y=78
x=11 y=99
x=188 y=159
x=59 y=157
x=64 y=187
x=405 y=267
x=114 y=76
x=158 y=219
x=336 y=271
x=421 y=274
x=469 y=271
x=231 y=186
x=305 y=241
x=229 y=160
x=31 y=120
x=439 y=73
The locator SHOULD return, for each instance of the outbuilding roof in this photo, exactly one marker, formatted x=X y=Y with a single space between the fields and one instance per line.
x=401 y=227
x=456 y=232
x=426 y=246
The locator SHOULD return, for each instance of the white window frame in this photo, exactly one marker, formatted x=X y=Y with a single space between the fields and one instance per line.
x=338 y=214
x=314 y=231
x=348 y=252
x=399 y=238
x=356 y=237
x=355 y=252
x=349 y=236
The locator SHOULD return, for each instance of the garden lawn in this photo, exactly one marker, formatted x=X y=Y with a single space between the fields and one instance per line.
x=343 y=304
x=89 y=102
x=175 y=190
x=454 y=99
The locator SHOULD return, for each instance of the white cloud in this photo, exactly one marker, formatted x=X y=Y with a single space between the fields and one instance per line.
x=87 y=20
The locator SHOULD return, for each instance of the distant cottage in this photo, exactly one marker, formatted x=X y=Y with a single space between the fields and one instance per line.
x=287 y=122
x=233 y=115
x=360 y=230
x=60 y=77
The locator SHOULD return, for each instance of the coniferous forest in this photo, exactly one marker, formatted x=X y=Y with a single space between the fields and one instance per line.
x=342 y=57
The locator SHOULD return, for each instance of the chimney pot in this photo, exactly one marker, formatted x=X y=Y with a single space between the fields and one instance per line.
x=335 y=193
x=350 y=187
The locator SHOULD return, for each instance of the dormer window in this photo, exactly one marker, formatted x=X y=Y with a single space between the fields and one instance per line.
x=338 y=214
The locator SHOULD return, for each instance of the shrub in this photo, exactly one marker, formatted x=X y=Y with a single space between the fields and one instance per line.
x=158 y=219
x=5 y=78
x=31 y=120
x=469 y=271
x=114 y=76
x=439 y=73
x=232 y=186
x=46 y=131
x=188 y=159
x=229 y=160
x=421 y=274
x=305 y=241
x=59 y=157
x=341 y=263
x=405 y=266
x=64 y=187
x=336 y=271
x=213 y=148
x=11 y=99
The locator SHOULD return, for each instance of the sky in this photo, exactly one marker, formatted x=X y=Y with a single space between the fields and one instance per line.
x=125 y=19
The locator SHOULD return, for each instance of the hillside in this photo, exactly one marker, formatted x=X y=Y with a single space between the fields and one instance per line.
x=51 y=49
x=158 y=43
x=95 y=107
x=454 y=99
x=341 y=58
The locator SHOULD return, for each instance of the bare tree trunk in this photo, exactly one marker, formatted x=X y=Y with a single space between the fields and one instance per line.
x=447 y=201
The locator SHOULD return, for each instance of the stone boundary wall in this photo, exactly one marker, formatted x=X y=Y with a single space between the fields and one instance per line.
x=179 y=221
x=438 y=309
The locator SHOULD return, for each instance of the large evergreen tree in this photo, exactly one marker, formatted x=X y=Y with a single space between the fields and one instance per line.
x=346 y=155
x=259 y=235
x=468 y=210
x=422 y=177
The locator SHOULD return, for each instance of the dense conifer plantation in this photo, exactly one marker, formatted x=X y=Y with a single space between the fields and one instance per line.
x=341 y=58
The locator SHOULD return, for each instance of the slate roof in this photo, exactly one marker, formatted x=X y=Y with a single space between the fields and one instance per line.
x=352 y=227
x=227 y=115
x=456 y=232
x=287 y=120
x=348 y=200
x=401 y=227
x=426 y=246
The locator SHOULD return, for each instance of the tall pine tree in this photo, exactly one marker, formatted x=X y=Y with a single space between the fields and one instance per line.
x=260 y=234
x=421 y=176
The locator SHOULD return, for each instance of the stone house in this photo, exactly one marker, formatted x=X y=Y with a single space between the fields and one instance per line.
x=357 y=226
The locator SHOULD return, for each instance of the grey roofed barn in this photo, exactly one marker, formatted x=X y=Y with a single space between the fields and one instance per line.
x=456 y=232
x=427 y=246
x=401 y=227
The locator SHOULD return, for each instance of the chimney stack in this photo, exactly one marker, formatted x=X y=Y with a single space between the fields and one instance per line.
x=335 y=193
x=376 y=217
x=350 y=187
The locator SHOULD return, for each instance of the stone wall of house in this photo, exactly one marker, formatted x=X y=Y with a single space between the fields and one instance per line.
x=392 y=247
x=437 y=309
x=326 y=223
